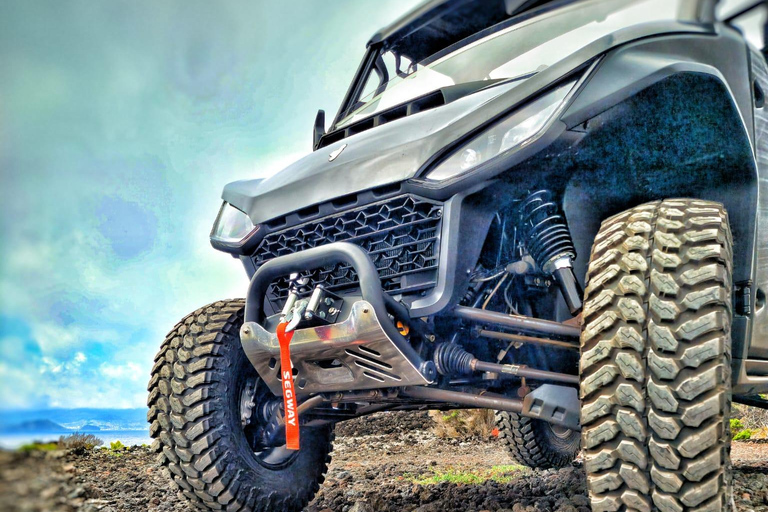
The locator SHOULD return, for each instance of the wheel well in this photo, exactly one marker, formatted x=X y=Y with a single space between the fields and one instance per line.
x=665 y=142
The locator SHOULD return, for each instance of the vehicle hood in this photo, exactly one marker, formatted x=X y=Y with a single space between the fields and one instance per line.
x=387 y=154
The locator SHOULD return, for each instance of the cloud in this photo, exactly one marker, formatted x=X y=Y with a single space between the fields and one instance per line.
x=18 y=383
x=116 y=138
x=69 y=367
x=130 y=371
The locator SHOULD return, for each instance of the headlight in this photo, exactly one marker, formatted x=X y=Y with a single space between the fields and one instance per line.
x=513 y=132
x=231 y=225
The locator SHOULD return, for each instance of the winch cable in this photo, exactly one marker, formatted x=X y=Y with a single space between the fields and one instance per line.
x=289 y=395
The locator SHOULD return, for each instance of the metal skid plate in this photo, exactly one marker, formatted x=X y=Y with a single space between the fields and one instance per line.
x=352 y=354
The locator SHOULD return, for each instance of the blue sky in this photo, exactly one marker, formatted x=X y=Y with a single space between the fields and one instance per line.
x=120 y=122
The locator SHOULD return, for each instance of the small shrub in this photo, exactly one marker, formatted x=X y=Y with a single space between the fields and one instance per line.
x=39 y=446
x=79 y=441
x=760 y=433
x=752 y=418
x=743 y=435
x=736 y=425
x=464 y=423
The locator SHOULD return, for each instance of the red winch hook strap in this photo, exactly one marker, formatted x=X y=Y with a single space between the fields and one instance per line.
x=289 y=394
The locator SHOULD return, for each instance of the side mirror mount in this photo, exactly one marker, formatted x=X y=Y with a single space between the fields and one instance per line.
x=319 y=129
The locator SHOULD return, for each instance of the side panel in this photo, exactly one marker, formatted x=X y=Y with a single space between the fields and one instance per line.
x=759 y=347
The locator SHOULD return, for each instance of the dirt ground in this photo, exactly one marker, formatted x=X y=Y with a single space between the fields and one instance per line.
x=385 y=462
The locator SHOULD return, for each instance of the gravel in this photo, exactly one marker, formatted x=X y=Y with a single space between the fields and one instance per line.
x=376 y=463
x=89 y=481
x=385 y=424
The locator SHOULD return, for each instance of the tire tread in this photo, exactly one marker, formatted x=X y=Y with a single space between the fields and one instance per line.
x=655 y=359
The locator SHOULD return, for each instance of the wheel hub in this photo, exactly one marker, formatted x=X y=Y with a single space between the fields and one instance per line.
x=247 y=402
x=255 y=408
x=560 y=431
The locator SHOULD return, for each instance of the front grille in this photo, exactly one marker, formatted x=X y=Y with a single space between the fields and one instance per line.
x=400 y=234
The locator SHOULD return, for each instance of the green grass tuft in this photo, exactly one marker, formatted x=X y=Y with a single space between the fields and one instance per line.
x=502 y=474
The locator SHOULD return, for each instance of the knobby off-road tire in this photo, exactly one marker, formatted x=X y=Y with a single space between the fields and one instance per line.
x=655 y=360
x=195 y=415
x=535 y=443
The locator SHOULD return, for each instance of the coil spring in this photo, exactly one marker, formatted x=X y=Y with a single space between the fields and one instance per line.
x=546 y=230
x=451 y=359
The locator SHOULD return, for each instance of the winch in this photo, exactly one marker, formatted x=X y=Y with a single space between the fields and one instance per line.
x=321 y=308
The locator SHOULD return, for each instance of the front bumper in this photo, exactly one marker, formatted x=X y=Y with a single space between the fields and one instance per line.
x=364 y=350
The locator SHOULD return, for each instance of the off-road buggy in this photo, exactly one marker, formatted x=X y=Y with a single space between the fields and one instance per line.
x=424 y=256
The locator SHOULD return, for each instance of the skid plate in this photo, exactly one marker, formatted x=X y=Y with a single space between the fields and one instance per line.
x=349 y=355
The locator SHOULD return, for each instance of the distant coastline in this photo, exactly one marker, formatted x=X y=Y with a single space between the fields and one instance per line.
x=32 y=427
x=46 y=421
x=126 y=437
x=19 y=427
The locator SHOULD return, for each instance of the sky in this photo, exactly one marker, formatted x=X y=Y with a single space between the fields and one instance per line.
x=120 y=122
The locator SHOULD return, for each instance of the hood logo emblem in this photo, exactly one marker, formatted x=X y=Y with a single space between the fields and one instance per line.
x=334 y=154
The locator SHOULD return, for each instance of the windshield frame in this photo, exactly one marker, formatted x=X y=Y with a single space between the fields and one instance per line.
x=376 y=50
x=605 y=24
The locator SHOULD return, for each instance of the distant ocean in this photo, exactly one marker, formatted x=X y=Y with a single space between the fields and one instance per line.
x=21 y=426
x=127 y=437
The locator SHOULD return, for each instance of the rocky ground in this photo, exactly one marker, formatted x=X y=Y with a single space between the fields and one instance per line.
x=386 y=462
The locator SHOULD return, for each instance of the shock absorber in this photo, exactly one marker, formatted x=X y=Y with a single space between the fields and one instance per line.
x=550 y=244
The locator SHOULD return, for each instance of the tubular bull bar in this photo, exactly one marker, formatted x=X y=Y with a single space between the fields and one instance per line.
x=364 y=350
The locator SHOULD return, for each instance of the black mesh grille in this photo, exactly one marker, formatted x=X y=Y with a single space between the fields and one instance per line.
x=400 y=235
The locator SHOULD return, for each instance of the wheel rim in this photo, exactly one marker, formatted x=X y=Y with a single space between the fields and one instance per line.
x=253 y=395
x=560 y=431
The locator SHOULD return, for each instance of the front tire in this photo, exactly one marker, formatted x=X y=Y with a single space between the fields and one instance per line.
x=201 y=384
x=655 y=359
